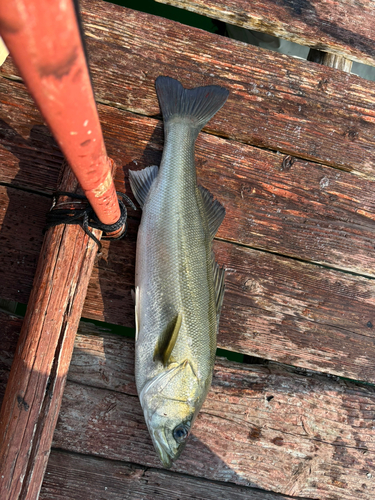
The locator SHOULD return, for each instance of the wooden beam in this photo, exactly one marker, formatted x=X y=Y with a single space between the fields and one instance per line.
x=36 y=383
x=343 y=27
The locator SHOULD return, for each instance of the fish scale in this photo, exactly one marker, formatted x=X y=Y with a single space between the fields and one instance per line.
x=177 y=306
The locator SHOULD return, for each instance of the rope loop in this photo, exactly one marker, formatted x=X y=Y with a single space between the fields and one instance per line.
x=86 y=217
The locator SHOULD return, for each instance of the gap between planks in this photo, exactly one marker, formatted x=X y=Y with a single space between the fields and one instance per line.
x=302 y=436
x=316 y=24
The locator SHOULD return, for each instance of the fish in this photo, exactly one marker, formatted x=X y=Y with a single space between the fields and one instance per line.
x=179 y=287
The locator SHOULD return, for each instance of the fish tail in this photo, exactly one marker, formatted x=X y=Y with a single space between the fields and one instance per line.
x=197 y=105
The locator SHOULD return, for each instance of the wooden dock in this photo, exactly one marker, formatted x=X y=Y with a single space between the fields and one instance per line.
x=292 y=158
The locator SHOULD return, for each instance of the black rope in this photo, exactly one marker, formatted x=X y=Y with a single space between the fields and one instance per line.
x=86 y=217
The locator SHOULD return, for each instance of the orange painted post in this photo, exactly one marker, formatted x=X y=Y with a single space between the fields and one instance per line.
x=44 y=40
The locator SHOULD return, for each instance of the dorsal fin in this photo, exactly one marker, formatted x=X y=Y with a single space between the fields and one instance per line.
x=219 y=275
x=167 y=340
x=141 y=181
x=215 y=211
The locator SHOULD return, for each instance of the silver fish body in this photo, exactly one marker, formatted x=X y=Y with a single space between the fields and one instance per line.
x=179 y=287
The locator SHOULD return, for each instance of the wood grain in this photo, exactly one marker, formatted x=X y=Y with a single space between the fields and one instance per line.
x=300 y=435
x=10 y=326
x=37 y=378
x=274 y=307
x=343 y=27
x=72 y=477
x=287 y=311
x=275 y=102
x=29 y=156
x=301 y=209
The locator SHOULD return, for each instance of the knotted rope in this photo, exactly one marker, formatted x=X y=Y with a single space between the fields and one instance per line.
x=86 y=217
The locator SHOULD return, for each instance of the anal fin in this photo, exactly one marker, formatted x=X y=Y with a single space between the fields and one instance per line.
x=215 y=212
x=219 y=275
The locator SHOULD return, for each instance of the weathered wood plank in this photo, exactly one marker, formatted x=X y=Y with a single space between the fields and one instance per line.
x=298 y=434
x=303 y=210
x=71 y=477
x=23 y=218
x=344 y=27
x=276 y=102
x=283 y=310
x=10 y=327
x=288 y=311
x=29 y=156
x=305 y=436
x=295 y=208
x=274 y=307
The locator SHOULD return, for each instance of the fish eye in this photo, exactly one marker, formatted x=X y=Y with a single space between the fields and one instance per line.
x=181 y=432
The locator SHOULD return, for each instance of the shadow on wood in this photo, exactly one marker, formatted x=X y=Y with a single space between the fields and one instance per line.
x=117 y=258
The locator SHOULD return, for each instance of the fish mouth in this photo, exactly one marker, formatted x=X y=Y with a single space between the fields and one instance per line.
x=166 y=454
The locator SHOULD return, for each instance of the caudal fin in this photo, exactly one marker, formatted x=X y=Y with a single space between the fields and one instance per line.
x=198 y=105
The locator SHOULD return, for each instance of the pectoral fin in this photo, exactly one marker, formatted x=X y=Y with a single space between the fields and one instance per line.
x=167 y=340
